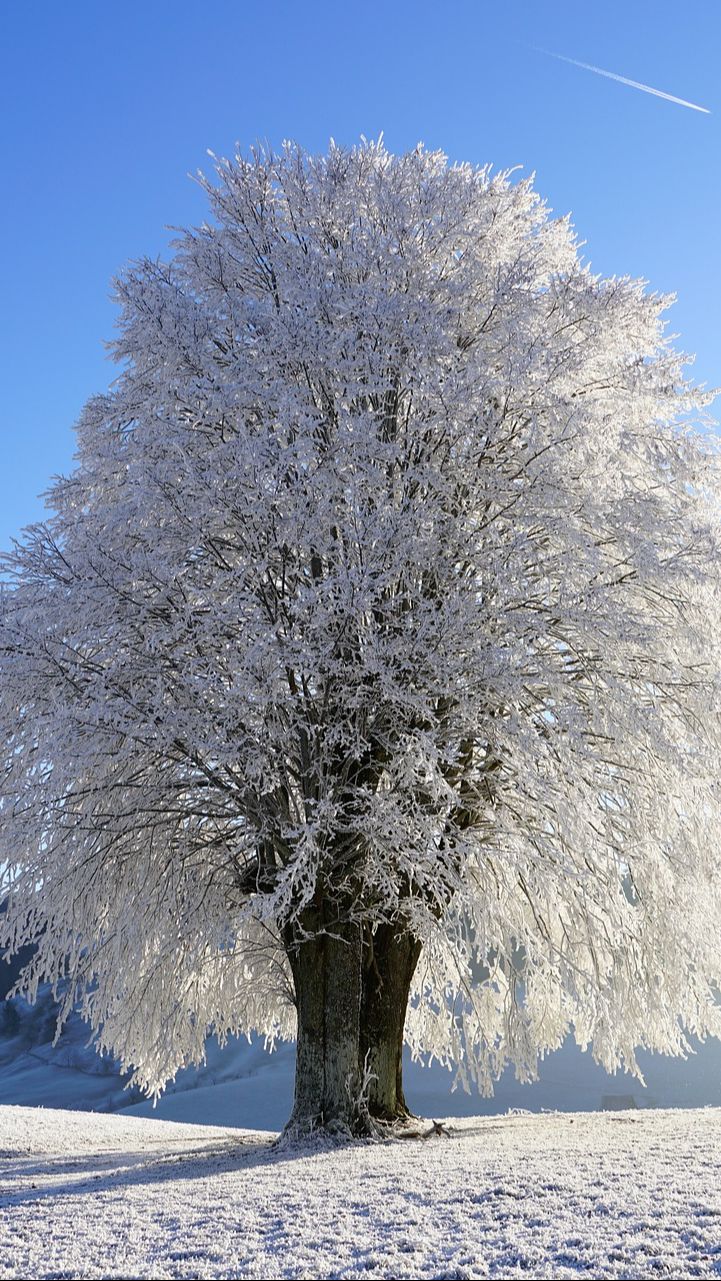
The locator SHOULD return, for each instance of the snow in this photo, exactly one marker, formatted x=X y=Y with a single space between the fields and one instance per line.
x=243 y=1085
x=602 y=1194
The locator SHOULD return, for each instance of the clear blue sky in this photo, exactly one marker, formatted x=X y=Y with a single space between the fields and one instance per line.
x=106 y=107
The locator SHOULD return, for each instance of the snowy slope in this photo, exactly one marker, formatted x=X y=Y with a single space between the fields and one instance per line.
x=35 y=1072
x=623 y=1194
x=243 y=1085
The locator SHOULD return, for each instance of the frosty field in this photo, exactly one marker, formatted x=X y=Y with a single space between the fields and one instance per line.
x=605 y=1195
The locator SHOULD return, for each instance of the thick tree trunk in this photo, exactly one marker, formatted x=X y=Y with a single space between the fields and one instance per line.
x=327 y=976
x=351 y=1002
x=389 y=963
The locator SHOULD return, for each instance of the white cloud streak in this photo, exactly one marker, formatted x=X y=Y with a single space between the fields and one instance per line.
x=634 y=84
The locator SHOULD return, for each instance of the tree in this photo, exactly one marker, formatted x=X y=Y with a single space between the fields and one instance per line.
x=366 y=668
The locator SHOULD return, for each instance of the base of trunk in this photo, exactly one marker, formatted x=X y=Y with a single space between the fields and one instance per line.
x=305 y=1131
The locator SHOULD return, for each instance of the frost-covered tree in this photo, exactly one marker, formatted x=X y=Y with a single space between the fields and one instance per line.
x=365 y=675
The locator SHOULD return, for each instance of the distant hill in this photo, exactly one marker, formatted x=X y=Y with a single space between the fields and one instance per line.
x=241 y=1084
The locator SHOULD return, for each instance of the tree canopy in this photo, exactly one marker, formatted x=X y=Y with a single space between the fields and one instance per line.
x=382 y=605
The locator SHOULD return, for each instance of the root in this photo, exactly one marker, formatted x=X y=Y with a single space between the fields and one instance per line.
x=316 y=1132
x=437 y=1130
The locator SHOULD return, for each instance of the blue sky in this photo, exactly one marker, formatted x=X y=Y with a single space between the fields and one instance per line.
x=106 y=108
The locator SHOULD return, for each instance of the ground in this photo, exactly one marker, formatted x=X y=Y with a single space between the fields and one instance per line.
x=614 y=1194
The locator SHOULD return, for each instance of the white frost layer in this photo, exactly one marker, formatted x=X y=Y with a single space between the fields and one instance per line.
x=606 y=1195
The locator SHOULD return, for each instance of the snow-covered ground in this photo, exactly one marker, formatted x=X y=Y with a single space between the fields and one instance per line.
x=603 y=1195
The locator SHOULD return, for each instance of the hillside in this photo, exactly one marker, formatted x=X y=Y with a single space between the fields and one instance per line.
x=243 y=1085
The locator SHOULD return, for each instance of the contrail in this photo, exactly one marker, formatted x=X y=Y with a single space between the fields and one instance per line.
x=635 y=84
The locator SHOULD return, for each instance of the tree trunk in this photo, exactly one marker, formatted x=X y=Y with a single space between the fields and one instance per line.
x=327 y=975
x=351 y=1004
x=389 y=964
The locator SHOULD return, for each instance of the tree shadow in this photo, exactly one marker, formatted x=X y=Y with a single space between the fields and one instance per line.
x=34 y=1177
x=37 y=1178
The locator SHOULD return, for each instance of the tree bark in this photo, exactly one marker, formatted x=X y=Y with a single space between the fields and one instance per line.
x=389 y=965
x=351 y=1001
x=327 y=976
